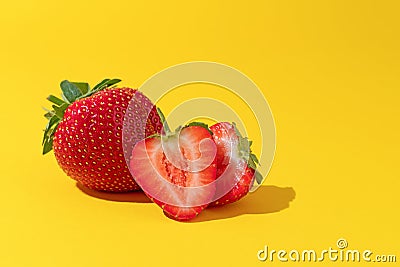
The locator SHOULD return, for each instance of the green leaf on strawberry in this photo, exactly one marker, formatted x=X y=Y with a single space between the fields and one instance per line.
x=55 y=100
x=71 y=92
x=83 y=87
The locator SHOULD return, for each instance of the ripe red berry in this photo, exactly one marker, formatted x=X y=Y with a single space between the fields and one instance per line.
x=234 y=149
x=85 y=131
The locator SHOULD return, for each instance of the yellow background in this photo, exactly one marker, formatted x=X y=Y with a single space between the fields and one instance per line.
x=329 y=69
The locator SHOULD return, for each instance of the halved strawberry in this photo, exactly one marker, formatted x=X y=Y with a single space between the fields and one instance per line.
x=177 y=170
x=235 y=160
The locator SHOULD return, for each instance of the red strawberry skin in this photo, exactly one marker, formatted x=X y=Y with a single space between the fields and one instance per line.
x=88 y=140
x=226 y=139
x=149 y=160
x=239 y=190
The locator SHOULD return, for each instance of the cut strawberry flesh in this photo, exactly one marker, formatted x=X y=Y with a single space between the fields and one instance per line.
x=181 y=192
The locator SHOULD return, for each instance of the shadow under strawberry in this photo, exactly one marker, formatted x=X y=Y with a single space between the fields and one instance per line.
x=265 y=200
x=134 y=196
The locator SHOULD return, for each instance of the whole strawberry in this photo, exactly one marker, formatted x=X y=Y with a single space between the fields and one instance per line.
x=234 y=159
x=85 y=132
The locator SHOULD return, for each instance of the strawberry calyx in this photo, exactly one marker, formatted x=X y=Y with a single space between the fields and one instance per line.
x=244 y=148
x=71 y=92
